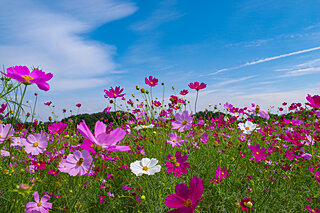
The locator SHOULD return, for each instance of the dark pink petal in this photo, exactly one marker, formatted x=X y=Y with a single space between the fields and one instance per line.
x=196 y=188
x=174 y=201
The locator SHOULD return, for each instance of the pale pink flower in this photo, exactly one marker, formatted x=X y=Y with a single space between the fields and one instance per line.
x=41 y=206
x=35 y=144
x=77 y=163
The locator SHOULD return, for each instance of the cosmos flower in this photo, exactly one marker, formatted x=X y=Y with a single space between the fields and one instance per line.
x=247 y=127
x=186 y=199
x=3 y=107
x=152 y=82
x=77 y=163
x=4 y=132
x=197 y=86
x=177 y=164
x=314 y=101
x=184 y=92
x=174 y=140
x=204 y=137
x=145 y=166
x=57 y=127
x=17 y=141
x=101 y=138
x=257 y=152
x=41 y=206
x=258 y=111
x=182 y=121
x=113 y=93
x=23 y=74
x=35 y=144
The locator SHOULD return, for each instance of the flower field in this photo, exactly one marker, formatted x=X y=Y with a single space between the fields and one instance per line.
x=165 y=158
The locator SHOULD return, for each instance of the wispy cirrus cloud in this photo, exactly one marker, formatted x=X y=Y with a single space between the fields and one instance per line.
x=164 y=13
x=265 y=60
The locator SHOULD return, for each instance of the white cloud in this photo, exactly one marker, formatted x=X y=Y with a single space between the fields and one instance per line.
x=49 y=36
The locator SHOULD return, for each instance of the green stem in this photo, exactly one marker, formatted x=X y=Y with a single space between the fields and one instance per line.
x=195 y=104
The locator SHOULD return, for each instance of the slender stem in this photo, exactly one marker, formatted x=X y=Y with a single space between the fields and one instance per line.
x=195 y=104
x=34 y=108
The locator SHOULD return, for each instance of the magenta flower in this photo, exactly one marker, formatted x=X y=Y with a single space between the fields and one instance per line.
x=258 y=111
x=221 y=173
x=57 y=127
x=174 y=140
x=77 y=163
x=314 y=101
x=101 y=138
x=41 y=206
x=156 y=103
x=4 y=132
x=228 y=106
x=35 y=144
x=113 y=93
x=184 y=92
x=177 y=164
x=152 y=82
x=22 y=74
x=48 y=103
x=197 y=86
x=186 y=200
x=204 y=137
x=183 y=121
x=257 y=152
x=3 y=107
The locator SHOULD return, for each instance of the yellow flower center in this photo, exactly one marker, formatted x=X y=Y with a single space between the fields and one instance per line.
x=114 y=95
x=177 y=164
x=17 y=141
x=187 y=203
x=184 y=122
x=35 y=144
x=257 y=153
x=145 y=168
x=222 y=173
x=173 y=159
x=39 y=204
x=247 y=128
x=80 y=162
x=27 y=78
x=151 y=83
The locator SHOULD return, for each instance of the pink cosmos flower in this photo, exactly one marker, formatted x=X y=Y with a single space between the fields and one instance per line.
x=228 y=106
x=314 y=101
x=177 y=164
x=184 y=92
x=57 y=127
x=35 y=144
x=4 y=132
x=23 y=74
x=182 y=121
x=78 y=105
x=152 y=82
x=257 y=152
x=258 y=111
x=77 y=163
x=101 y=138
x=186 y=200
x=311 y=210
x=41 y=206
x=204 y=138
x=48 y=103
x=113 y=93
x=174 y=140
x=197 y=86
x=293 y=122
x=4 y=153
x=17 y=141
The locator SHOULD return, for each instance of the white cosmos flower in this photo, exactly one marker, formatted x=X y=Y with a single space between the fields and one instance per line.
x=145 y=166
x=143 y=127
x=247 y=127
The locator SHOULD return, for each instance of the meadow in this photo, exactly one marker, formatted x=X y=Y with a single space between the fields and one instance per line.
x=162 y=159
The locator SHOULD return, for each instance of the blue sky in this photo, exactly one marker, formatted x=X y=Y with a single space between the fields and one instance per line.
x=246 y=51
